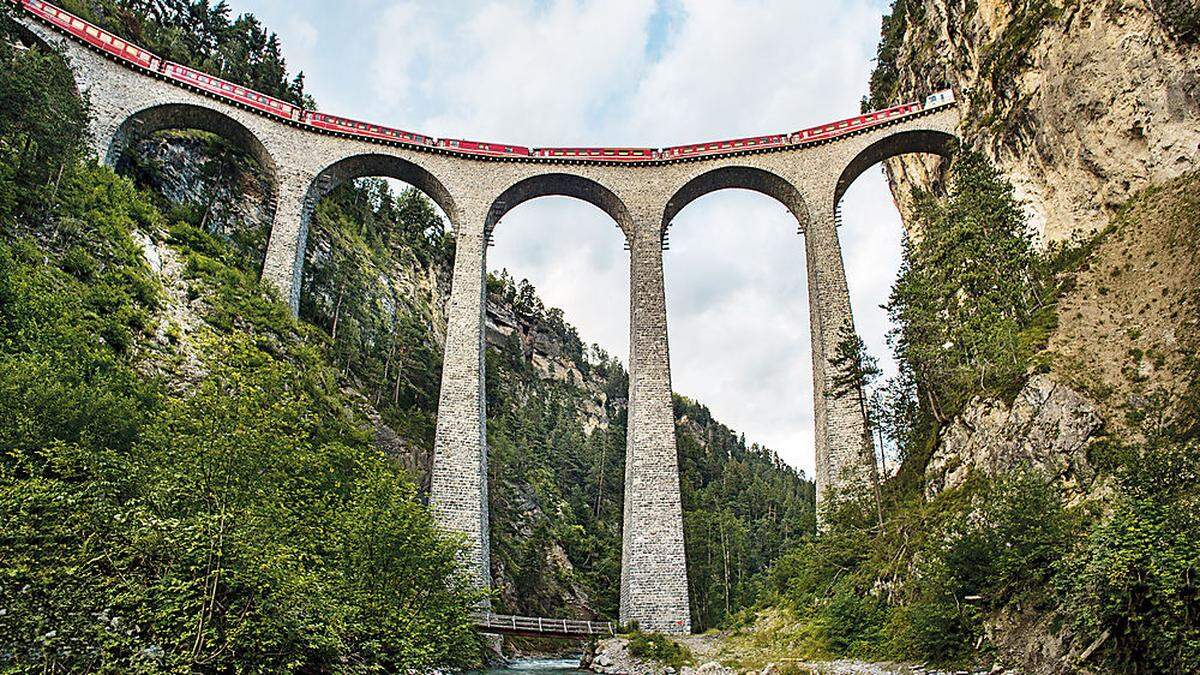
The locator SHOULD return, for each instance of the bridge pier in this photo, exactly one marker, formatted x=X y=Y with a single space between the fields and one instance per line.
x=654 y=587
x=458 y=492
x=283 y=266
x=845 y=458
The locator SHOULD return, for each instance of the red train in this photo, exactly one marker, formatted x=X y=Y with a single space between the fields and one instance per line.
x=355 y=128
x=215 y=85
x=483 y=148
x=724 y=147
x=134 y=55
x=600 y=154
x=103 y=40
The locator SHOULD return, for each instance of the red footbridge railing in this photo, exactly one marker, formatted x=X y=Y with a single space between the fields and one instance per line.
x=146 y=61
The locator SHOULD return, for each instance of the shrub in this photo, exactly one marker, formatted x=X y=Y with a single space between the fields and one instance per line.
x=660 y=649
x=1134 y=577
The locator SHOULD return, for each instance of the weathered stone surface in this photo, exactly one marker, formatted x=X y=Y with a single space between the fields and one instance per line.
x=1047 y=428
x=475 y=194
x=1103 y=105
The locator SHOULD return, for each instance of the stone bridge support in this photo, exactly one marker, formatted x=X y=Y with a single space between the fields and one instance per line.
x=845 y=460
x=654 y=587
x=283 y=266
x=458 y=492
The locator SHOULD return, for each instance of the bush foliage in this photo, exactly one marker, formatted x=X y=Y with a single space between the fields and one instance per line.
x=216 y=507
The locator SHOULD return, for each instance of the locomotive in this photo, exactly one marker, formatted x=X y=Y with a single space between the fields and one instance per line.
x=146 y=61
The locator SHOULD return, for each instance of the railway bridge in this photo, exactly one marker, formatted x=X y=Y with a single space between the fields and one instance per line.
x=475 y=192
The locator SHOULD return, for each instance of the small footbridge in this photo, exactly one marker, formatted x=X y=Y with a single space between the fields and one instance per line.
x=530 y=626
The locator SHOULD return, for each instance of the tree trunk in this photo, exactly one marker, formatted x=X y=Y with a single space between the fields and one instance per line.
x=337 y=310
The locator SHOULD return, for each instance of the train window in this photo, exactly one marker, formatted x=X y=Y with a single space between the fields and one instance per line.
x=93 y=32
x=106 y=38
x=76 y=23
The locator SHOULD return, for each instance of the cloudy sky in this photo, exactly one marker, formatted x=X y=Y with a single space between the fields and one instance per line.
x=643 y=73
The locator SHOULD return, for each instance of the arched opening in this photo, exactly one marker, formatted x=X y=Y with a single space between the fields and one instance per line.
x=738 y=178
x=173 y=116
x=376 y=270
x=738 y=315
x=558 y=284
x=925 y=141
x=561 y=185
x=871 y=233
x=208 y=171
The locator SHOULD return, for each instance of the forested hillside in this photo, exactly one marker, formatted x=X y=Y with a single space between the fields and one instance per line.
x=183 y=485
x=196 y=480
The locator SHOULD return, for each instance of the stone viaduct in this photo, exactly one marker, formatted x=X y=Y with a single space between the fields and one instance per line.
x=475 y=194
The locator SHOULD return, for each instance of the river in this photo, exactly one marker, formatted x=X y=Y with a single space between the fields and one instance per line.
x=539 y=667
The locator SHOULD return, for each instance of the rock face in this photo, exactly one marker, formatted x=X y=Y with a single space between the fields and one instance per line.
x=545 y=353
x=199 y=171
x=1047 y=428
x=1080 y=103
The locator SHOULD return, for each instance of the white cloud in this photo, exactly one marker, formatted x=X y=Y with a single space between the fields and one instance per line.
x=523 y=72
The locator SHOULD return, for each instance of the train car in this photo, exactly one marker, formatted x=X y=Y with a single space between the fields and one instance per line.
x=835 y=129
x=228 y=90
x=93 y=35
x=724 y=147
x=599 y=154
x=346 y=125
x=483 y=148
x=941 y=98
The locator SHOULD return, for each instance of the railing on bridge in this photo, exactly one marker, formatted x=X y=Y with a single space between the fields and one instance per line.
x=530 y=626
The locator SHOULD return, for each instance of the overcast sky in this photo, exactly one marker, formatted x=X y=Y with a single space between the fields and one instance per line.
x=636 y=72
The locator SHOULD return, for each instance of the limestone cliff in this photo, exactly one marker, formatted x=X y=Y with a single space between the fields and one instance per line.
x=1081 y=103
x=1084 y=106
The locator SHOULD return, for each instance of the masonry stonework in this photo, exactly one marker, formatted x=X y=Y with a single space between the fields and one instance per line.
x=654 y=590
x=475 y=194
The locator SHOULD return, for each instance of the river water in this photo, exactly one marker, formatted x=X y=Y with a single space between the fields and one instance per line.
x=538 y=667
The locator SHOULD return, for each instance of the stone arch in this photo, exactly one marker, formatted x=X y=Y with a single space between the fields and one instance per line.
x=190 y=116
x=562 y=185
x=926 y=141
x=738 y=178
x=389 y=166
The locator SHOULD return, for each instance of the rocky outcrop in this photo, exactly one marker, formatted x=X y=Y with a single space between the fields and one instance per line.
x=1081 y=104
x=200 y=171
x=613 y=657
x=546 y=355
x=1047 y=428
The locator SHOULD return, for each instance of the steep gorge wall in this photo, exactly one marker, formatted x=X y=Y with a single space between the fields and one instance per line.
x=1082 y=103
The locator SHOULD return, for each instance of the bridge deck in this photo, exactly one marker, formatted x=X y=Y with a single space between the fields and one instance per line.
x=530 y=626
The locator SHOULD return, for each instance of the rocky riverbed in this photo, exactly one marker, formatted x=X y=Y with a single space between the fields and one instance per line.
x=613 y=658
